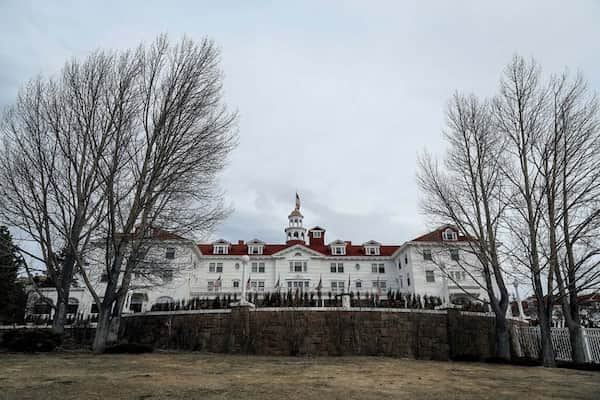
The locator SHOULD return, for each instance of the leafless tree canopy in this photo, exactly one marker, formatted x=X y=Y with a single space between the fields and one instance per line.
x=118 y=144
x=521 y=178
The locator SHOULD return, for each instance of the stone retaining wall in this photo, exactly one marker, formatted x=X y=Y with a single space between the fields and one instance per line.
x=438 y=335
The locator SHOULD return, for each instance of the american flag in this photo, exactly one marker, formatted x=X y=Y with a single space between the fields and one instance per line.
x=278 y=284
x=297 y=201
x=320 y=285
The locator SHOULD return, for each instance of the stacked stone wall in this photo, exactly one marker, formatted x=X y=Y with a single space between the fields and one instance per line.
x=437 y=335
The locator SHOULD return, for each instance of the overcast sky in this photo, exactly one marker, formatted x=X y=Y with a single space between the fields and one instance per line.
x=336 y=98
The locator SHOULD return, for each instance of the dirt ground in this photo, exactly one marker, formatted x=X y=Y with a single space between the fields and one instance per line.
x=212 y=376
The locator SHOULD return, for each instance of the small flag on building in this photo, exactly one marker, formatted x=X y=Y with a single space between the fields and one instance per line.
x=248 y=284
x=218 y=282
x=297 y=201
x=320 y=285
x=278 y=284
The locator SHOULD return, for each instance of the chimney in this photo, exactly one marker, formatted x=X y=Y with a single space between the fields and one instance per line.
x=316 y=236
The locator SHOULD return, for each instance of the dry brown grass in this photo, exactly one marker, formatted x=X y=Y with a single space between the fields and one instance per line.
x=212 y=376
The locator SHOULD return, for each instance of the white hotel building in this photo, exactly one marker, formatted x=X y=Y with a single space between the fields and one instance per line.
x=301 y=262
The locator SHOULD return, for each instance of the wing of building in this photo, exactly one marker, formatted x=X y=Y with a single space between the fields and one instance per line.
x=439 y=263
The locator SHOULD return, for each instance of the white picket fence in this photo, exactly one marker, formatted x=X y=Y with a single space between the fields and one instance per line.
x=527 y=343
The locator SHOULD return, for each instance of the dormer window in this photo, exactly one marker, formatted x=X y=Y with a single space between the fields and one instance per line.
x=317 y=234
x=255 y=246
x=372 y=248
x=255 y=249
x=338 y=250
x=221 y=247
x=449 y=234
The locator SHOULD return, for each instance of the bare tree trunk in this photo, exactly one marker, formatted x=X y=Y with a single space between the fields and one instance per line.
x=102 y=331
x=502 y=339
x=60 y=314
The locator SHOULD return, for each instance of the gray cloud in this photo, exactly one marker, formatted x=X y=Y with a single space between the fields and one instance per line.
x=335 y=98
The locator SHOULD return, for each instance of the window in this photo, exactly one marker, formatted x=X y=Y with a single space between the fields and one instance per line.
x=337 y=267
x=407 y=280
x=358 y=284
x=298 y=266
x=454 y=254
x=221 y=249
x=406 y=259
x=316 y=234
x=94 y=309
x=258 y=267
x=168 y=275
x=257 y=286
x=170 y=253
x=213 y=285
x=449 y=234
x=255 y=249
x=301 y=285
x=429 y=276
x=338 y=250
x=458 y=275
x=427 y=255
x=215 y=267
x=236 y=284
x=372 y=250
x=136 y=302
x=401 y=281
x=378 y=268
x=380 y=284
x=337 y=286
x=399 y=265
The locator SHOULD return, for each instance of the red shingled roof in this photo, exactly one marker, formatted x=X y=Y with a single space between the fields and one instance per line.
x=270 y=249
x=436 y=236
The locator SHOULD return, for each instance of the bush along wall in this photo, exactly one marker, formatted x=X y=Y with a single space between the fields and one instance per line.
x=297 y=298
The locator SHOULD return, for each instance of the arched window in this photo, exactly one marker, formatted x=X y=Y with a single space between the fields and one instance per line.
x=295 y=234
x=135 y=304
x=449 y=234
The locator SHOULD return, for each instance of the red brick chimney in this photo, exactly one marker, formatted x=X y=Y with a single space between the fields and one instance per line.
x=316 y=236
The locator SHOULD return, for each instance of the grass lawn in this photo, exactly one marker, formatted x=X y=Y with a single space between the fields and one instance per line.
x=213 y=376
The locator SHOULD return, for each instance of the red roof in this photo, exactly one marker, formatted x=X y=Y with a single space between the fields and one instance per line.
x=270 y=249
x=436 y=236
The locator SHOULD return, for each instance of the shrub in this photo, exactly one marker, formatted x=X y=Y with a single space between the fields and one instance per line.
x=129 y=348
x=31 y=340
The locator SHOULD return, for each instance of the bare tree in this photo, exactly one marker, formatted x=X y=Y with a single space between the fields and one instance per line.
x=54 y=139
x=570 y=169
x=162 y=170
x=119 y=144
x=520 y=111
x=469 y=191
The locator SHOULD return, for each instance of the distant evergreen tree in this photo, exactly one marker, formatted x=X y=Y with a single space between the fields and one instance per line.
x=13 y=298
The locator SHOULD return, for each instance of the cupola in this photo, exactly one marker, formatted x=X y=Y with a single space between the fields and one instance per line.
x=295 y=231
